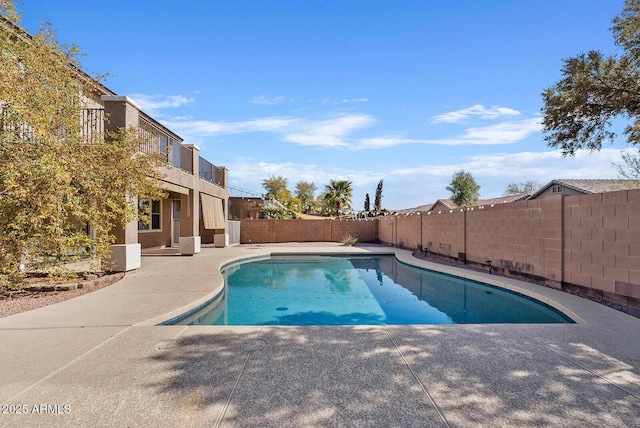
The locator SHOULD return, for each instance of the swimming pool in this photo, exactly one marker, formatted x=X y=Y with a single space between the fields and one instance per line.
x=360 y=290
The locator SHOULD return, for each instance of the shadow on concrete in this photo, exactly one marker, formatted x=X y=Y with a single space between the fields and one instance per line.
x=395 y=376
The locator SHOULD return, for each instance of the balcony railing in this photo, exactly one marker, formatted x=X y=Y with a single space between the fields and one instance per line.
x=181 y=156
x=91 y=130
x=212 y=173
x=92 y=124
x=154 y=140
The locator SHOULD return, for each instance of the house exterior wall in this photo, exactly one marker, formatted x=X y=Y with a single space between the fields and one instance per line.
x=566 y=191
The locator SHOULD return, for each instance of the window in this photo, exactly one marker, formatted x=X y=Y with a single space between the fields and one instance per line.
x=163 y=141
x=175 y=153
x=556 y=189
x=150 y=210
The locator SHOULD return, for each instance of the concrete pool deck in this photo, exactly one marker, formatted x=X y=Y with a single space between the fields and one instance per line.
x=100 y=360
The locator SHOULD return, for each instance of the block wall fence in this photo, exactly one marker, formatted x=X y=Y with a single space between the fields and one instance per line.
x=275 y=231
x=589 y=243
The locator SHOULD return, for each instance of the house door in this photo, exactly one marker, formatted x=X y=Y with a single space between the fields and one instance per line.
x=175 y=223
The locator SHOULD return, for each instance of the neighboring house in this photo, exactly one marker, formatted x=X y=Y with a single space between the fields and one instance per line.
x=448 y=204
x=582 y=187
x=421 y=208
x=445 y=205
x=241 y=208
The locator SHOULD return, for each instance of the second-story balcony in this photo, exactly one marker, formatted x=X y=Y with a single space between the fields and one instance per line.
x=157 y=139
x=212 y=173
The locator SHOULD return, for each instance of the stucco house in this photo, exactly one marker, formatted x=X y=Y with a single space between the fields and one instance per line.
x=197 y=196
x=583 y=187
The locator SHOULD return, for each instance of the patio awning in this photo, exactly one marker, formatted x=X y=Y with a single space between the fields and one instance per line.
x=212 y=212
x=165 y=185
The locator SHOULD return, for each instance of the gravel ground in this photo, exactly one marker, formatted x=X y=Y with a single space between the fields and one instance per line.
x=15 y=302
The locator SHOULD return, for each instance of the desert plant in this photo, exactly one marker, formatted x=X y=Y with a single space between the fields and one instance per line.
x=349 y=240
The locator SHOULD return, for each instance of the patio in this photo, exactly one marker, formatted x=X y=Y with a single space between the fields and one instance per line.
x=101 y=360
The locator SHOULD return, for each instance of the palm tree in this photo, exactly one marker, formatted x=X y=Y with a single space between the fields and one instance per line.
x=337 y=195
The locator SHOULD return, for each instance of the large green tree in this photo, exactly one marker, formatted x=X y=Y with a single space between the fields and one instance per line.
x=464 y=189
x=337 y=196
x=276 y=188
x=596 y=88
x=61 y=192
x=305 y=192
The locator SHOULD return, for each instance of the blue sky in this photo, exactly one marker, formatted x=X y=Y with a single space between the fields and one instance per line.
x=405 y=91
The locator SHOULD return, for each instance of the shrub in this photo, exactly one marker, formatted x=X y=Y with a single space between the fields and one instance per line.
x=349 y=240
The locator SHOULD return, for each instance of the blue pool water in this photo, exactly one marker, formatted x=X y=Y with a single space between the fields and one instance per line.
x=360 y=290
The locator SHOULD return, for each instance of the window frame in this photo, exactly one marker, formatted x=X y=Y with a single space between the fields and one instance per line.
x=147 y=228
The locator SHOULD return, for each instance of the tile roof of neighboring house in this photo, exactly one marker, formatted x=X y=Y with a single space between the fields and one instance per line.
x=414 y=210
x=502 y=199
x=591 y=185
x=448 y=203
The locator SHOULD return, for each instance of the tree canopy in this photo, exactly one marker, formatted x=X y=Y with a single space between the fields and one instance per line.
x=337 y=195
x=596 y=88
x=464 y=189
x=305 y=192
x=377 y=204
x=63 y=188
x=276 y=188
x=367 y=203
x=527 y=187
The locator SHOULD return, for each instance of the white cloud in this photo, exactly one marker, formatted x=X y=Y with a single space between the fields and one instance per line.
x=355 y=100
x=337 y=131
x=328 y=132
x=542 y=166
x=332 y=132
x=500 y=133
x=249 y=173
x=272 y=101
x=160 y=101
x=478 y=110
x=206 y=128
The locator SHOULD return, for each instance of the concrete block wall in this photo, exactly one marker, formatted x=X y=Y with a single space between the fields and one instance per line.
x=364 y=230
x=443 y=232
x=387 y=229
x=275 y=231
x=602 y=244
x=521 y=237
x=409 y=231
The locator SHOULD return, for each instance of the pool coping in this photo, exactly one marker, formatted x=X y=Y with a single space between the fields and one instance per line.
x=511 y=284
